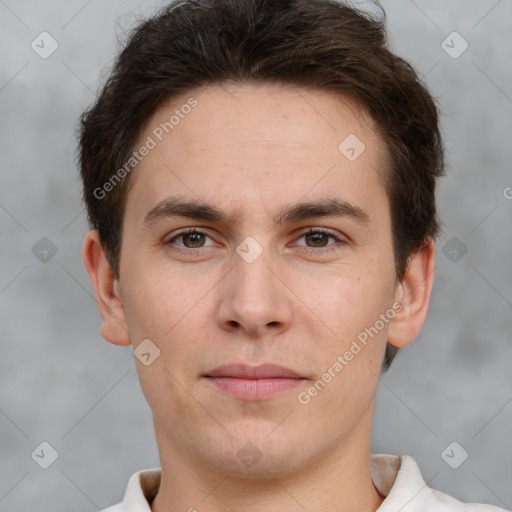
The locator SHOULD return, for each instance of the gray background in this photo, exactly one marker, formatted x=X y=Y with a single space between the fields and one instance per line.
x=62 y=383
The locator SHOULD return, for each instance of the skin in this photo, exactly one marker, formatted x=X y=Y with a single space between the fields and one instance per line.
x=259 y=148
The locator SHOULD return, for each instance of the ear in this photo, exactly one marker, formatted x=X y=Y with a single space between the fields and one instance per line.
x=108 y=295
x=413 y=293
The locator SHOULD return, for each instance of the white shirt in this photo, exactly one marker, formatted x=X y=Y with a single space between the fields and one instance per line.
x=398 y=478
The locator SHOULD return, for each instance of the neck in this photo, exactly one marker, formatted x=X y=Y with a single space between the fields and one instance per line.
x=339 y=480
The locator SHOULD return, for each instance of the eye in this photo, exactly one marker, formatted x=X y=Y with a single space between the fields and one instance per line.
x=192 y=238
x=319 y=237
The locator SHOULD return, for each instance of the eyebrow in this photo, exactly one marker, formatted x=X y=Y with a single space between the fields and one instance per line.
x=327 y=207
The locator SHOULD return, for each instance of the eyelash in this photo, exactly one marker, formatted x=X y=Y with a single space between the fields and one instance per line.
x=309 y=231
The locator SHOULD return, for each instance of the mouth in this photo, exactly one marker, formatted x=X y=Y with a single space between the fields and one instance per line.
x=254 y=382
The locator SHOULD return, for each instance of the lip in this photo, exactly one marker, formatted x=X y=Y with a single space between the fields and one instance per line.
x=254 y=382
x=263 y=371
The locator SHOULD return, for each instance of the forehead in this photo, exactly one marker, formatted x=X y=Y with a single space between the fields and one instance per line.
x=272 y=116
x=257 y=145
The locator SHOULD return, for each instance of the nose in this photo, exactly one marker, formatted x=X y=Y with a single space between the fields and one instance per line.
x=254 y=298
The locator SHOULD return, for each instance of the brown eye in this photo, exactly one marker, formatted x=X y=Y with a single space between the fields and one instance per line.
x=318 y=239
x=191 y=239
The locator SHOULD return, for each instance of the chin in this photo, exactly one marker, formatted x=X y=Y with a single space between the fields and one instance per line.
x=254 y=454
x=260 y=466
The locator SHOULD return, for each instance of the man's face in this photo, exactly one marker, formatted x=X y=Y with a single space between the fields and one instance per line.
x=257 y=289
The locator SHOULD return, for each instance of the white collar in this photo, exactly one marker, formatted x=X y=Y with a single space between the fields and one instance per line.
x=398 y=478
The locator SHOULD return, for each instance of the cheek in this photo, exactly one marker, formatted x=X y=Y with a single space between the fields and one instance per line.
x=154 y=301
x=350 y=364
x=162 y=310
x=166 y=392
x=351 y=361
x=354 y=301
x=174 y=313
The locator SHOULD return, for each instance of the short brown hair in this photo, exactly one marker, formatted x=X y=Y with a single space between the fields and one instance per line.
x=320 y=44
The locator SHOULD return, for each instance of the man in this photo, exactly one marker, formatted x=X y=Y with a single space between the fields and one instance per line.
x=260 y=180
